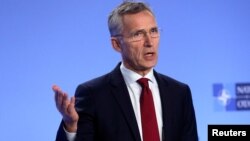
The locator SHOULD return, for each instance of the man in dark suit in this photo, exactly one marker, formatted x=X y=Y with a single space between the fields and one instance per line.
x=109 y=108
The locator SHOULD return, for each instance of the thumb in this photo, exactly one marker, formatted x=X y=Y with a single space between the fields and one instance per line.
x=71 y=108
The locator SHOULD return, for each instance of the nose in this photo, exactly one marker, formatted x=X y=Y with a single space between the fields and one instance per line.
x=148 y=40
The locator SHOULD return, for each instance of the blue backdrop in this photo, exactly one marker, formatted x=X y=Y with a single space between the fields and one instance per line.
x=46 y=42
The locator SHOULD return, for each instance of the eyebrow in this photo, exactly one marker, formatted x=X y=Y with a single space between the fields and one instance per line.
x=142 y=30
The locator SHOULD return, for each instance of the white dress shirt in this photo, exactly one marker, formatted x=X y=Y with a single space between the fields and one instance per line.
x=134 y=90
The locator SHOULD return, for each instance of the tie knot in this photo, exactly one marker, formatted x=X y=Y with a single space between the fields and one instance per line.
x=143 y=82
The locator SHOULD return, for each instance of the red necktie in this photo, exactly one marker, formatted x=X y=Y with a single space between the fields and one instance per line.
x=148 y=118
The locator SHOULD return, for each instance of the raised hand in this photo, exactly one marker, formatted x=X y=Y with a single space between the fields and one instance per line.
x=66 y=107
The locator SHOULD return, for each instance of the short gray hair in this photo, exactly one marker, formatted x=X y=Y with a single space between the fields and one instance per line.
x=115 y=18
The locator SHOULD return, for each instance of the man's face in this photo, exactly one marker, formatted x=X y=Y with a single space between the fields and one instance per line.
x=139 y=55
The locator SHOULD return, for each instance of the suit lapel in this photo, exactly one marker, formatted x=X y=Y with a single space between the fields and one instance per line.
x=166 y=101
x=120 y=92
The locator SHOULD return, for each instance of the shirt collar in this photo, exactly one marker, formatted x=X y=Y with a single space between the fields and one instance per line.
x=131 y=76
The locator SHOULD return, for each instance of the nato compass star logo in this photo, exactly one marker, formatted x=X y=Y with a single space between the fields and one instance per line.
x=224 y=97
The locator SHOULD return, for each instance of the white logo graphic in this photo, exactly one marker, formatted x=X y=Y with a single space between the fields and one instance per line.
x=223 y=97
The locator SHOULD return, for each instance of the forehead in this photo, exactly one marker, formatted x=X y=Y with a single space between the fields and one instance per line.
x=141 y=20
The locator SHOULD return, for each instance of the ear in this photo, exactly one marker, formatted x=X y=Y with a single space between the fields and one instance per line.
x=116 y=44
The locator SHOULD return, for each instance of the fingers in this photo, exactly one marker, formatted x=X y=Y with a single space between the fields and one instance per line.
x=55 y=88
x=61 y=100
x=58 y=95
x=66 y=107
x=72 y=101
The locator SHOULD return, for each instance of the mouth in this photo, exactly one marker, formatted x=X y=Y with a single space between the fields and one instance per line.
x=149 y=54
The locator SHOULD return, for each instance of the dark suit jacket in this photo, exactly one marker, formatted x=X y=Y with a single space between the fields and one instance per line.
x=106 y=112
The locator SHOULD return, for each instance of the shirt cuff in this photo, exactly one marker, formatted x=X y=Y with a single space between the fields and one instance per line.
x=70 y=135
